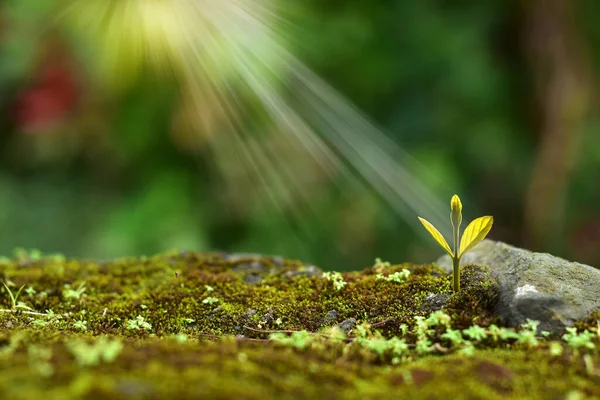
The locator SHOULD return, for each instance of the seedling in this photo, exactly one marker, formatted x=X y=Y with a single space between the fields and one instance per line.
x=138 y=323
x=576 y=341
x=398 y=277
x=70 y=293
x=475 y=332
x=210 y=300
x=104 y=349
x=15 y=305
x=336 y=278
x=475 y=232
x=81 y=325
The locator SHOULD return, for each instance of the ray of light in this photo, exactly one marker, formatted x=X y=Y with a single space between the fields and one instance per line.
x=230 y=57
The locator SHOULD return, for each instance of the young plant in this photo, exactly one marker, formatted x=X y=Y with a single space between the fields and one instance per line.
x=70 y=293
x=14 y=303
x=138 y=323
x=336 y=278
x=475 y=232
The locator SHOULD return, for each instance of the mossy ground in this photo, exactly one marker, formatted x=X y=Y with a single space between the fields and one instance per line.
x=191 y=325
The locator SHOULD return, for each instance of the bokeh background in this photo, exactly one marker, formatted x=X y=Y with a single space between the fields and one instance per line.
x=496 y=100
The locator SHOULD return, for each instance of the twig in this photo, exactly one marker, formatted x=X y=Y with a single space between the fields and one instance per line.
x=269 y=331
x=440 y=348
x=24 y=312
x=381 y=323
x=289 y=332
x=239 y=339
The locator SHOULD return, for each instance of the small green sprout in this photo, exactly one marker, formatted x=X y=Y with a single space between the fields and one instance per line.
x=475 y=232
x=439 y=318
x=210 y=300
x=468 y=349
x=556 y=349
x=138 y=323
x=39 y=323
x=576 y=341
x=380 y=265
x=475 y=332
x=528 y=338
x=22 y=254
x=39 y=360
x=81 y=325
x=300 y=340
x=362 y=331
x=528 y=332
x=398 y=276
x=403 y=329
x=103 y=349
x=70 y=293
x=336 y=278
x=378 y=345
x=14 y=303
x=454 y=336
x=531 y=325
x=508 y=333
x=423 y=344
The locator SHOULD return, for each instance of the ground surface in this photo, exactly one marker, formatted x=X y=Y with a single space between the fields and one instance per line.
x=216 y=326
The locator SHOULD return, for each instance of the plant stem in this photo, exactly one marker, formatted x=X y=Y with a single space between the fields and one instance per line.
x=24 y=312
x=456 y=259
x=456 y=273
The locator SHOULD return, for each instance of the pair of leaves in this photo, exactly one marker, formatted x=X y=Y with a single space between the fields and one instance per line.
x=475 y=232
x=14 y=297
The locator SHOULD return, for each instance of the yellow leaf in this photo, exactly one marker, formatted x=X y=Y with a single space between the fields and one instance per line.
x=475 y=233
x=436 y=235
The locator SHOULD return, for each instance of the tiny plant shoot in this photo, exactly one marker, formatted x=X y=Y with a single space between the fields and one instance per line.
x=475 y=232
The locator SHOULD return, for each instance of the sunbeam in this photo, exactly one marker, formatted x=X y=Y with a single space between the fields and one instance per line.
x=283 y=132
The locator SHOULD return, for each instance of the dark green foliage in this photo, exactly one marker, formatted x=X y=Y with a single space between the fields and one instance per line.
x=447 y=82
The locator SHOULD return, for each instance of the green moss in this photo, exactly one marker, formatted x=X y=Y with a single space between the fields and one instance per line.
x=480 y=292
x=150 y=333
x=167 y=290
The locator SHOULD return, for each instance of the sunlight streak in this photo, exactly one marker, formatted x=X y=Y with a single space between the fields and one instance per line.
x=236 y=73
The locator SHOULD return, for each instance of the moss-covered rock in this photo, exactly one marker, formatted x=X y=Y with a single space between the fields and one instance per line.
x=218 y=326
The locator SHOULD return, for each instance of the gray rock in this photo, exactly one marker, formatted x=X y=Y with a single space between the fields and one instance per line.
x=537 y=286
x=435 y=302
x=330 y=317
x=347 y=325
x=268 y=318
x=278 y=261
x=252 y=279
x=237 y=257
x=306 y=270
x=250 y=267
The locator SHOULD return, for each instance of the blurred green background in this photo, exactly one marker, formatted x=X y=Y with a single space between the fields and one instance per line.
x=496 y=100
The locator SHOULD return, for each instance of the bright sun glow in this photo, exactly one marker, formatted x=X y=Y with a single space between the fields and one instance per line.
x=276 y=129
